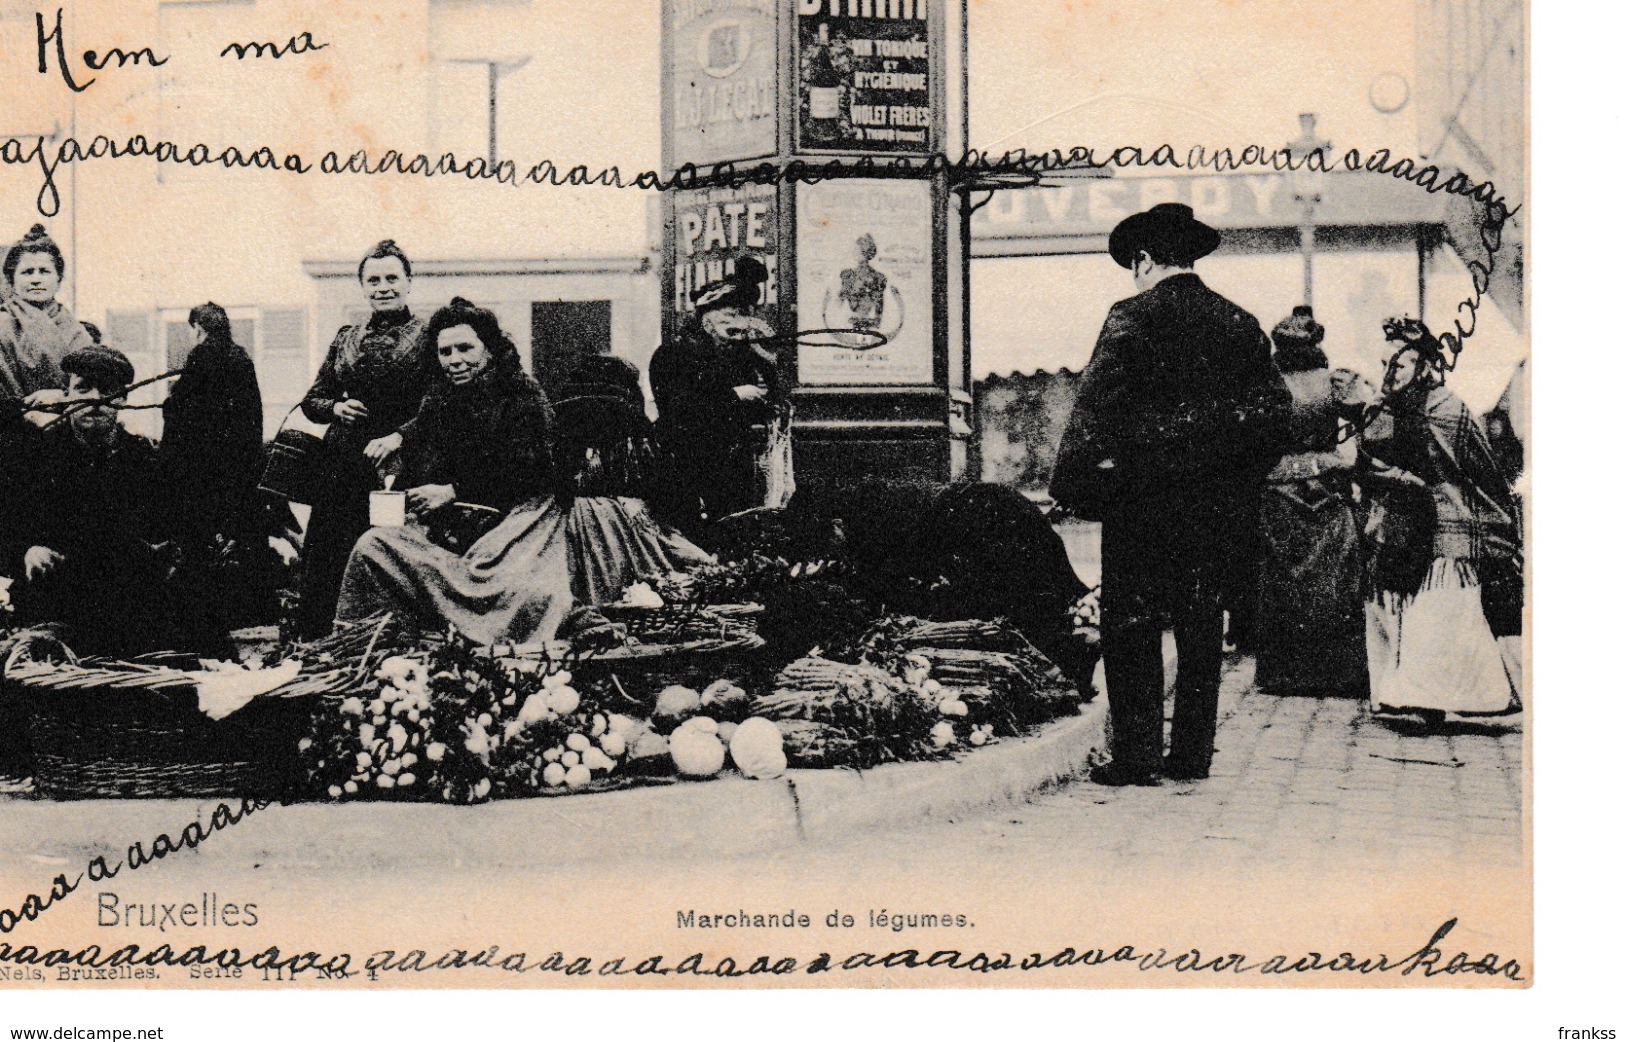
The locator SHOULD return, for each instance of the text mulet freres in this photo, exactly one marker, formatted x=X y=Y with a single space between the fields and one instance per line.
x=1428 y=961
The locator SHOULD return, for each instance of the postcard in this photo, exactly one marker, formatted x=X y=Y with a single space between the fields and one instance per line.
x=764 y=494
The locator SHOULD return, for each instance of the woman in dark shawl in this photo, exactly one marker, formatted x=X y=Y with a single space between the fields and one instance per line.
x=1445 y=562
x=36 y=332
x=209 y=459
x=372 y=382
x=481 y=445
x=1310 y=629
x=712 y=386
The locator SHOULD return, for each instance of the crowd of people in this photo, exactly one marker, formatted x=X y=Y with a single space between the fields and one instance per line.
x=130 y=544
x=1362 y=540
x=1368 y=537
x=520 y=506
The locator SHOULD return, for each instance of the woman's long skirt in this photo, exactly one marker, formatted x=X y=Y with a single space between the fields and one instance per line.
x=1310 y=627
x=518 y=581
x=336 y=524
x=1435 y=651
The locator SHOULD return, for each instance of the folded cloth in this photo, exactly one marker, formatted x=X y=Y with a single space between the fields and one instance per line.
x=228 y=687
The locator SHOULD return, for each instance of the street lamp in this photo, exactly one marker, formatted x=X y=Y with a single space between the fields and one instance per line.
x=1307 y=188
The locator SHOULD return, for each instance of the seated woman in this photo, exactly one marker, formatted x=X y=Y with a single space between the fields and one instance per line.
x=606 y=445
x=482 y=443
x=554 y=548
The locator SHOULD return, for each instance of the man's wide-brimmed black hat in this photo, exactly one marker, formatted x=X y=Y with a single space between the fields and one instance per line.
x=1171 y=226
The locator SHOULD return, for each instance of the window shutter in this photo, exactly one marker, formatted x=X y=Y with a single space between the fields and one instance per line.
x=283 y=362
x=131 y=332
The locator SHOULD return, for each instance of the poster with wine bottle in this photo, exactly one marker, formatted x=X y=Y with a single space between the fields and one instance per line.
x=864 y=81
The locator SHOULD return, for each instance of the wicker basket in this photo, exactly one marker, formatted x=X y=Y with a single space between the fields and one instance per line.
x=636 y=674
x=102 y=729
x=726 y=619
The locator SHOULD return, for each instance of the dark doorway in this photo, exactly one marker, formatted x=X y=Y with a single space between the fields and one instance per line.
x=562 y=331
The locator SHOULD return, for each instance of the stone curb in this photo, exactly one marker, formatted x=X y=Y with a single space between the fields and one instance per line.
x=730 y=816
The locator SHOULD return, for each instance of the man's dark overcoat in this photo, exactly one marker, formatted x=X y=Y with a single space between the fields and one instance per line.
x=1179 y=415
x=1182 y=399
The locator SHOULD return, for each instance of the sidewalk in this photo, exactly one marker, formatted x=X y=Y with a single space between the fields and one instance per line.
x=1313 y=782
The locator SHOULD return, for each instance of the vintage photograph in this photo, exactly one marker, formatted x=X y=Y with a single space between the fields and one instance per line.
x=907 y=494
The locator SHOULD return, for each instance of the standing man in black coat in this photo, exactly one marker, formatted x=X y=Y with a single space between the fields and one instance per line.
x=1179 y=415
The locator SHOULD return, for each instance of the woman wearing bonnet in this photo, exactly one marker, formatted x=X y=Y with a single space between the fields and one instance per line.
x=1309 y=632
x=713 y=384
x=1444 y=551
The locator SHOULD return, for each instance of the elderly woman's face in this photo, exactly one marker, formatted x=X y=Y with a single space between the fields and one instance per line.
x=385 y=282
x=36 y=280
x=463 y=355
x=728 y=324
x=1401 y=371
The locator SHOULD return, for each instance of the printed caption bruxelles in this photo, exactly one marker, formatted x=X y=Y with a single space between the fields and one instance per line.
x=878 y=919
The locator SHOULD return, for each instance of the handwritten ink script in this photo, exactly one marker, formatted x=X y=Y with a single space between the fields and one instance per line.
x=1428 y=961
x=53 y=44
x=97 y=869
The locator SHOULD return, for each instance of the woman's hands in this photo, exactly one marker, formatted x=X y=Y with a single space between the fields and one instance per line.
x=381 y=449
x=44 y=406
x=40 y=561
x=350 y=410
x=426 y=499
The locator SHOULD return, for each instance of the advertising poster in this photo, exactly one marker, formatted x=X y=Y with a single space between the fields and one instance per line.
x=714 y=228
x=864 y=253
x=721 y=80
x=864 y=76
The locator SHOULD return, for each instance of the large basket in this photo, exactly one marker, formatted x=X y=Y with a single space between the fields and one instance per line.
x=102 y=729
x=636 y=674
x=683 y=620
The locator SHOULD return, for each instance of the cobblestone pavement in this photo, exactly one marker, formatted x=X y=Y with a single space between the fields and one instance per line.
x=1321 y=780
x=1305 y=783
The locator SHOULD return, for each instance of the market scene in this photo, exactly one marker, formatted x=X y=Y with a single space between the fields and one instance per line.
x=1072 y=498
